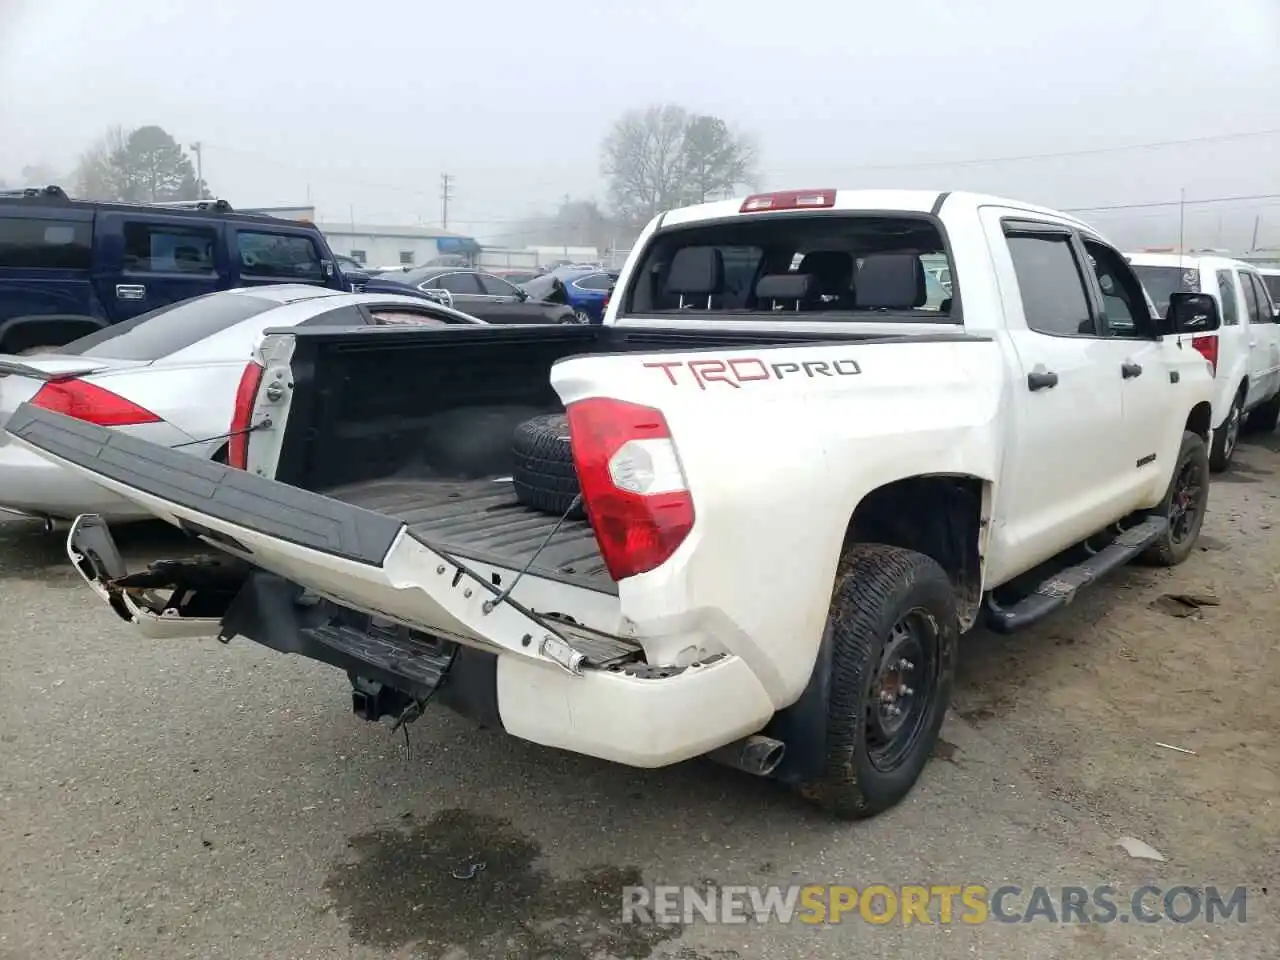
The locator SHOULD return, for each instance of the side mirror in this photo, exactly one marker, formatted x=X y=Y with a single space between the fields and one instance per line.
x=440 y=296
x=1192 y=313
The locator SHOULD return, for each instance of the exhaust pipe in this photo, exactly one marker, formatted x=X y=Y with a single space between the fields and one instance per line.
x=756 y=755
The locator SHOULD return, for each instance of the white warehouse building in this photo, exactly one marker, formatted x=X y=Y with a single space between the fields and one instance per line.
x=388 y=246
x=382 y=246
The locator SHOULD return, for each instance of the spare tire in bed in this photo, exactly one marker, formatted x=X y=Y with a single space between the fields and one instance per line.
x=543 y=475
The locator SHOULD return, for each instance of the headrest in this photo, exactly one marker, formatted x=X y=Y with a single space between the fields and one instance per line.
x=788 y=286
x=832 y=267
x=891 y=281
x=696 y=272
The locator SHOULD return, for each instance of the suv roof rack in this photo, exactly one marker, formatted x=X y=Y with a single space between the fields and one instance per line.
x=220 y=205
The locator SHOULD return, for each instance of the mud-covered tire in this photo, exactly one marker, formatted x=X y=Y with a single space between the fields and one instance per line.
x=1193 y=465
x=543 y=475
x=1227 y=437
x=877 y=590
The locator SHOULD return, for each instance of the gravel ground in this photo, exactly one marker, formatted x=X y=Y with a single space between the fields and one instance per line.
x=188 y=799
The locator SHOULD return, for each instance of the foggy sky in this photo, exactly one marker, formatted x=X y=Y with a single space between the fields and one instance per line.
x=360 y=106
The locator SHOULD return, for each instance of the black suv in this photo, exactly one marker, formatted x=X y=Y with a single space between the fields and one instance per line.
x=70 y=267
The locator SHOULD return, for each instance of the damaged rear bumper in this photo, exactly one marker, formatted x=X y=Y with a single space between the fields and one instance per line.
x=617 y=708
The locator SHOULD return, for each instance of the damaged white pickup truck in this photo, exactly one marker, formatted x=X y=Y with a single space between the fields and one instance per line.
x=749 y=516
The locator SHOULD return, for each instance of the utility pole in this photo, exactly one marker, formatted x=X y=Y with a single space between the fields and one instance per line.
x=446 y=192
x=198 y=149
x=1257 y=222
x=1182 y=204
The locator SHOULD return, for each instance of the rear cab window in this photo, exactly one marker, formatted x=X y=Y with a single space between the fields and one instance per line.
x=842 y=266
x=38 y=243
x=279 y=256
x=159 y=333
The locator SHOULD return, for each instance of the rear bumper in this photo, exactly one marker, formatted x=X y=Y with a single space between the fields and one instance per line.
x=626 y=713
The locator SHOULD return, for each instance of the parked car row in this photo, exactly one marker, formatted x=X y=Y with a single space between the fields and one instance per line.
x=747 y=516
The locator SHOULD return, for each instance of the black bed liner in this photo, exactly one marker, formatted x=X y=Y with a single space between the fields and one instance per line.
x=482 y=520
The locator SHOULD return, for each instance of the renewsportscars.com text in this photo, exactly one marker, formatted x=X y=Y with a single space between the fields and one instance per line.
x=935 y=904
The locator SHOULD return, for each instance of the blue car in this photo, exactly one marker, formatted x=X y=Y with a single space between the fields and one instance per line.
x=587 y=292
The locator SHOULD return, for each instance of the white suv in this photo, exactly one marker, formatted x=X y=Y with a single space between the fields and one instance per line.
x=1244 y=353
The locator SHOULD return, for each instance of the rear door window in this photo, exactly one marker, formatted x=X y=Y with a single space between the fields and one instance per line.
x=1256 y=311
x=594 y=281
x=1266 y=303
x=1051 y=284
x=39 y=244
x=497 y=287
x=151 y=336
x=279 y=256
x=1227 y=294
x=1272 y=283
x=456 y=283
x=157 y=248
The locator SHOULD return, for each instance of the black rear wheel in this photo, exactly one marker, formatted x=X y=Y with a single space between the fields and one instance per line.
x=893 y=629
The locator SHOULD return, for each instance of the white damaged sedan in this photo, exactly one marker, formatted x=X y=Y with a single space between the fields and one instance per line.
x=169 y=376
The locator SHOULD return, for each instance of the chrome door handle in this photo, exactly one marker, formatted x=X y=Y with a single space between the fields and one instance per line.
x=131 y=291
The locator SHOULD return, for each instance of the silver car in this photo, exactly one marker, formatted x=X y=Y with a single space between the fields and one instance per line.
x=169 y=376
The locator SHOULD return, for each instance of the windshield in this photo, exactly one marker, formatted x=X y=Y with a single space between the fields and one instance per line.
x=1272 y=283
x=167 y=330
x=1161 y=282
x=861 y=266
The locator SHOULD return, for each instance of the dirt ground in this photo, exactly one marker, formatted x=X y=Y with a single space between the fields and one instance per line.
x=1094 y=692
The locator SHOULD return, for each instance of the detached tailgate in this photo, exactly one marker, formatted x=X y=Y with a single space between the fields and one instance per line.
x=356 y=557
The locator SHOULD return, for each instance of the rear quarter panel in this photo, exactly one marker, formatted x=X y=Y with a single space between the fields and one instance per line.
x=777 y=466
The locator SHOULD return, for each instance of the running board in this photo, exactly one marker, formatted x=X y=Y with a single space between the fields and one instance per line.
x=1061 y=588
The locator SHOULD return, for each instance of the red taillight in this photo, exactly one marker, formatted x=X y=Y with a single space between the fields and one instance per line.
x=92 y=404
x=633 y=487
x=1207 y=346
x=242 y=417
x=789 y=200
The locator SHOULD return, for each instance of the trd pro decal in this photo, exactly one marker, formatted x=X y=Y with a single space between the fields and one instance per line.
x=741 y=370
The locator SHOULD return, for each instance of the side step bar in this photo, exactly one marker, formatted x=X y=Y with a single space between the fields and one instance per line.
x=1061 y=588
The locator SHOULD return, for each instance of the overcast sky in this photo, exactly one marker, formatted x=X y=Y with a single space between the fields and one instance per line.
x=361 y=105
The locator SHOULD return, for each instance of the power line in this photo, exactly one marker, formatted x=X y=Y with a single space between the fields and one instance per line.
x=1174 y=203
x=1091 y=151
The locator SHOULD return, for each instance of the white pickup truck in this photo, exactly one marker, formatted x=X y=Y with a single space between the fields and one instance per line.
x=1244 y=353
x=785 y=487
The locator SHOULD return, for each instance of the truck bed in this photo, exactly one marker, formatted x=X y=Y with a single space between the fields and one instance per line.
x=482 y=520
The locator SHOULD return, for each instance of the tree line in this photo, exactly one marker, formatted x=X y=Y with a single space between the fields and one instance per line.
x=652 y=159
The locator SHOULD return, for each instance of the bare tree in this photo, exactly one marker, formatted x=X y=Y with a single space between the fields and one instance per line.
x=662 y=156
x=98 y=175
